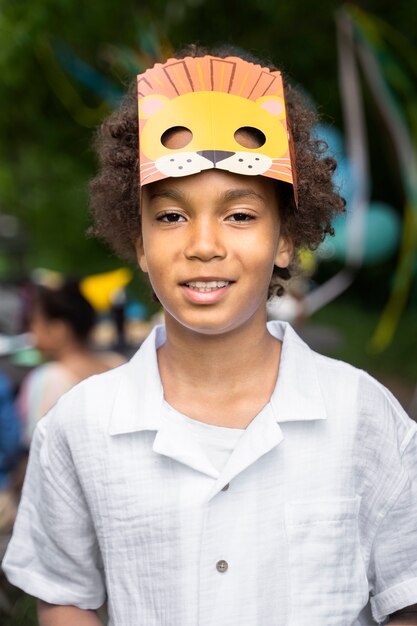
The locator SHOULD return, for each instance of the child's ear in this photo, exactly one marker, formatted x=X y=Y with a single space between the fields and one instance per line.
x=285 y=252
x=140 y=255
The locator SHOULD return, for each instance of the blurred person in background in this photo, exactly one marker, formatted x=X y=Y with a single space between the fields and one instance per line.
x=9 y=453
x=62 y=321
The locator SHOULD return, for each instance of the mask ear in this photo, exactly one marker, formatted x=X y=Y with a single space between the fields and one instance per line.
x=149 y=105
x=284 y=253
x=273 y=104
x=140 y=255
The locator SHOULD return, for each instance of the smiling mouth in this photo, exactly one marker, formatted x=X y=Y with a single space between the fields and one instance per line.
x=207 y=286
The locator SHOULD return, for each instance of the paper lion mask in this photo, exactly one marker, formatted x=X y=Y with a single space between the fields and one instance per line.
x=214 y=100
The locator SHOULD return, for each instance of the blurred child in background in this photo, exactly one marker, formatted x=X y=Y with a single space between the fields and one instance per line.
x=62 y=321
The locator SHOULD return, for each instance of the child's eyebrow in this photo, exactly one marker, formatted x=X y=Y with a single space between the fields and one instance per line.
x=235 y=194
x=169 y=194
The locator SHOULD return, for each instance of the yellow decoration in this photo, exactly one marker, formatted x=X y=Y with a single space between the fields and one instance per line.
x=391 y=314
x=308 y=261
x=101 y=289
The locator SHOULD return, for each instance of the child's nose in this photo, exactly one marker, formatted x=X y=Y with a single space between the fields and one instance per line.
x=215 y=155
x=205 y=242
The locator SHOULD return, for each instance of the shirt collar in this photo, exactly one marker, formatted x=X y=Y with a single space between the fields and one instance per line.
x=139 y=399
x=297 y=395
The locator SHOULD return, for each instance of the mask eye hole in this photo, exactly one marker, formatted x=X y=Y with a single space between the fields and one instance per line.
x=176 y=137
x=250 y=137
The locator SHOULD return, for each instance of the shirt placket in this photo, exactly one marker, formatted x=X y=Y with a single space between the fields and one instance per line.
x=223 y=539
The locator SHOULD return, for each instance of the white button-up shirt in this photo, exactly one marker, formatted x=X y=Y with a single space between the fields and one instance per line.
x=320 y=514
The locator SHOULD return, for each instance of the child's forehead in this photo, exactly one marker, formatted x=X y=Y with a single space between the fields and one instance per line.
x=214 y=185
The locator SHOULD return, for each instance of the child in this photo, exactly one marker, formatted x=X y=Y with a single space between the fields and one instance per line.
x=227 y=474
x=62 y=321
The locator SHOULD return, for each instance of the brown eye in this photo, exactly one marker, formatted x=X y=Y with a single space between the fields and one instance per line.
x=176 y=137
x=250 y=137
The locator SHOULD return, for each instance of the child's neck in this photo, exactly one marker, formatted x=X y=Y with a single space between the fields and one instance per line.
x=223 y=379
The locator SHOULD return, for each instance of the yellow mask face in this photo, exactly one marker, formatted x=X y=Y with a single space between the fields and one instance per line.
x=218 y=102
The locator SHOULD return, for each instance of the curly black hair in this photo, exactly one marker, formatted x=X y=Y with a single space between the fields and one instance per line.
x=114 y=192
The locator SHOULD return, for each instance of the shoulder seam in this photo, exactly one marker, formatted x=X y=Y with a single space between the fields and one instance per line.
x=401 y=414
x=408 y=437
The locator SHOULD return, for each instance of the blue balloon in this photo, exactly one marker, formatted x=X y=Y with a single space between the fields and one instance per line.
x=382 y=236
x=342 y=177
x=135 y=310
x=334 y=139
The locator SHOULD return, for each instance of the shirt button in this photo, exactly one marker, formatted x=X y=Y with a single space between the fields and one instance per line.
x=222 y=566
x=226 y=487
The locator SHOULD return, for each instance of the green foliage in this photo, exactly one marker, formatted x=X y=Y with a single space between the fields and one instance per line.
x=356 y=322
x=21 y=607
x=45 y=155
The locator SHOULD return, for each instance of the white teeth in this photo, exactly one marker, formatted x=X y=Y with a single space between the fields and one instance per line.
x=200 y=285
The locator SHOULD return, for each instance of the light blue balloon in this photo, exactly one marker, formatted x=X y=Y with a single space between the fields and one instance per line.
x=334 y=139
x=342 y=177
x=382 y=236
x=135 y=310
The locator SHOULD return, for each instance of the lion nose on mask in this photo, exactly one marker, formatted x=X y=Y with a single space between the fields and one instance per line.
x=215 y=155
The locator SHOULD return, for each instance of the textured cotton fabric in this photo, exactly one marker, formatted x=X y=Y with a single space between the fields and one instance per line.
x=319 y=517
x=217 y=442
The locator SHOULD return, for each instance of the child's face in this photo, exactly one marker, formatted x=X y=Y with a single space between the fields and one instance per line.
x=48 y=334
x=209 y=244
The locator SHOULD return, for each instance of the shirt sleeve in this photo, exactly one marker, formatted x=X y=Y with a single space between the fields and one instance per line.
x=394 y=554
x=54 y=553
x=40 y=391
